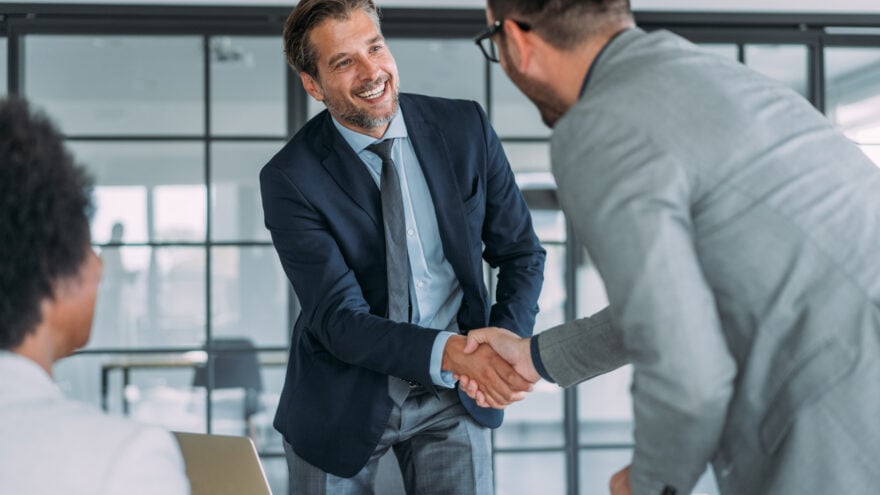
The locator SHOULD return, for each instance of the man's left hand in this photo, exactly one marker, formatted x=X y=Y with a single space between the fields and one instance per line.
x=619 y=483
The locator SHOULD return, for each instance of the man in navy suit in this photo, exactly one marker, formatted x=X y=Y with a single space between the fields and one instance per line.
x=359 y=380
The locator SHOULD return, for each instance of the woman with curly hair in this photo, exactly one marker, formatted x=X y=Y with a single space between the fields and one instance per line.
x=48 y=280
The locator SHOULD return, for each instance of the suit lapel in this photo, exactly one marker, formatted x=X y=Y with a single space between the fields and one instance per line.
x=349 y=172
x=433 y=155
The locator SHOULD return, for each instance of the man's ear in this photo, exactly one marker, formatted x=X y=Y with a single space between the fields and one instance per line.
x=520 y=45
x=312 y=87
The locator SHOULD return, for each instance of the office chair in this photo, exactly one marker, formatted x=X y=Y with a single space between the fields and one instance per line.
x=236 y=365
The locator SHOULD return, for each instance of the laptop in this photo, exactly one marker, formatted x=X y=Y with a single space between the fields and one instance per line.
x=222 y=465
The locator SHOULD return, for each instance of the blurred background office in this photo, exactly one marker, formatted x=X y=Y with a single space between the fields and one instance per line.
x=175 y=106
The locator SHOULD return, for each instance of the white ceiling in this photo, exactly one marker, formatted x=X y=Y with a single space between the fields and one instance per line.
x=800 y=6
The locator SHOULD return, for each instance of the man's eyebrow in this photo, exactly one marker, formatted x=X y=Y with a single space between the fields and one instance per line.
x=336 y=58
x=341 y=55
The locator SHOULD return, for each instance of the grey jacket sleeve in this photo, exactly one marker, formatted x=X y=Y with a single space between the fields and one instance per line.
x=630 y=202
x=599 y=349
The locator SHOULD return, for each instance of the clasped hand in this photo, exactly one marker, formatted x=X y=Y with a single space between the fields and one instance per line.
x=493 y=365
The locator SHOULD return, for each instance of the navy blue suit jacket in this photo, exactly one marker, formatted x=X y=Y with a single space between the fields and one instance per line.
x=324 y=212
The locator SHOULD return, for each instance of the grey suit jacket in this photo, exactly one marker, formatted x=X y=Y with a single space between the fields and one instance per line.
x=738 y=235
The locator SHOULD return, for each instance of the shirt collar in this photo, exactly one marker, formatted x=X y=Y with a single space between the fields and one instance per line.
x=30 y=378
x=596 y=61
x=359 y=142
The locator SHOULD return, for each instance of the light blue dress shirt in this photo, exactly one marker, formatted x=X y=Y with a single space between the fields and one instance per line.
x=434 y=289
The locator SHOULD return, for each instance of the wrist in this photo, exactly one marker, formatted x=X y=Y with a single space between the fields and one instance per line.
x=525 y=349
x=537 y=361
x=455 y=345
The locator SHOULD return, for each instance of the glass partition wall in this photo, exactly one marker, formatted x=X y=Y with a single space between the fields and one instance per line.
x=174 y=110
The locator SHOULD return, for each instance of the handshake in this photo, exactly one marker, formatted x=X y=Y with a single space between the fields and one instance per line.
x=492 y=365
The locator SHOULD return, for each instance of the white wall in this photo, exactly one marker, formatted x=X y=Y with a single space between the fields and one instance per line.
x=800 y=6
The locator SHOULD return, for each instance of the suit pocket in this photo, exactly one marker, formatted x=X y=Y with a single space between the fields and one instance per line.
x=809 y=379
x=475 y=198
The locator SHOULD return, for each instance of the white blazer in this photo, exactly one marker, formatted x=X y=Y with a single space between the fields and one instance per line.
x=52 y=445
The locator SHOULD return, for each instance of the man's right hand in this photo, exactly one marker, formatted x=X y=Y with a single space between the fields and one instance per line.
x=499 y=383
x=513 y=348
x=510 y=346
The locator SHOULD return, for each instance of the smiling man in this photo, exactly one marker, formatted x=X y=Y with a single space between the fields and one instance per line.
x=381 y=209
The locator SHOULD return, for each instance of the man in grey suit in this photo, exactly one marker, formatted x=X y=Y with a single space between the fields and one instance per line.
x=738 y=235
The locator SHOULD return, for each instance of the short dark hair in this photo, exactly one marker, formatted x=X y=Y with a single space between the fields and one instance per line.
x=45 y=203
x=564 y=23
x=305 y=17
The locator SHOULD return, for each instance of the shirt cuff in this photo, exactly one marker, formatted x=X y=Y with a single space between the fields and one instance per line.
x=439 y=377
x=536 y=360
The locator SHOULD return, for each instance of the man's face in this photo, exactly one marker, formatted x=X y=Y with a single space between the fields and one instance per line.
x=357 y=76
x=550 y=106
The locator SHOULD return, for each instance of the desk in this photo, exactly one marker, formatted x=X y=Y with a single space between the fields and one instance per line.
x=178 y=360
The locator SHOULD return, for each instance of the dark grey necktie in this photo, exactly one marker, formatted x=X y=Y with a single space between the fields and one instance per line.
x=396 y=255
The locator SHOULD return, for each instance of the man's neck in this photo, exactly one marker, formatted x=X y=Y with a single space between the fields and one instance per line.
x=374 y=132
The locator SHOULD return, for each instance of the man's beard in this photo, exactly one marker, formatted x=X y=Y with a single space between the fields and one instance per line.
x=548 y=103
x=348 y=112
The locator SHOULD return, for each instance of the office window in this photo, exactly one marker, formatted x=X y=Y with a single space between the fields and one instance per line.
x=537 y=420
x=247 y=86
x=852 y=98
x=146 y=191
x=725 y=50
x=513 y=115
x=530 y=473
x=605 y=409
x=605 y=419
x=446 y=68
x=784 y=63
x=530 y=158
x=131 y=85
x=151 y=297
x=598 y=466
x=249 y=295
x=873 y=153
x=236 y=205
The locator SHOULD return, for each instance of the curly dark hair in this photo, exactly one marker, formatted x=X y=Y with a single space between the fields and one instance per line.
x=45 y=204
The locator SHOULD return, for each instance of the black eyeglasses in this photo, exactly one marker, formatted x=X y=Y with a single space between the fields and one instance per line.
x=484 y=39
